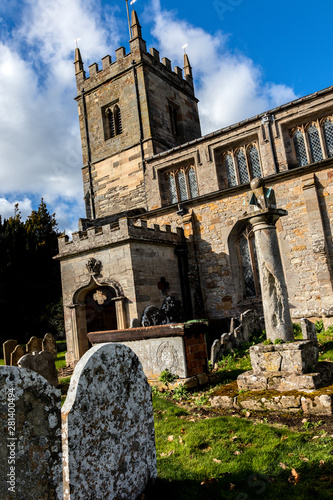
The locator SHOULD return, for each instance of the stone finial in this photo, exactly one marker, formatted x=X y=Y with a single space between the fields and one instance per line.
x=187 y=66
x=262 y=198
x=78 y=61
x=135 y=26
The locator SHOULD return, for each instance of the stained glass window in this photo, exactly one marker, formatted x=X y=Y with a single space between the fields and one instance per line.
x=300 y=148
x=254 y=161
x=230 y=168
x=172 y=189
x=328 y=133
x=242 y=167
x=315 y=146
x=192 y=182
x=182 y=186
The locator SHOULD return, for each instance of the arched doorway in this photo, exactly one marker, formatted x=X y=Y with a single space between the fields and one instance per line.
x=101 y=309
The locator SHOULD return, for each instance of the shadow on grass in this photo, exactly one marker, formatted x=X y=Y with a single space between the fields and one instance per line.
x=246 y=485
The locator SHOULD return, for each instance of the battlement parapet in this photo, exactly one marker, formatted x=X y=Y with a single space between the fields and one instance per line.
x=125 y=62
x=123 y=231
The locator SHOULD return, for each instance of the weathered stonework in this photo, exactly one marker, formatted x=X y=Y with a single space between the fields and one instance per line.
x=108 y=427
x=30 y=436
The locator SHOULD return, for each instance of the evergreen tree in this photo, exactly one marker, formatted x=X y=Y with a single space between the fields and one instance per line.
x=30 y=286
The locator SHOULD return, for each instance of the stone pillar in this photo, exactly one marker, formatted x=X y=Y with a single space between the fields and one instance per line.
x=120 y=313
x=273 y=286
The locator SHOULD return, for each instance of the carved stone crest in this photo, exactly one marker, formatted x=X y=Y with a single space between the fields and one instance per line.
x=93 y=266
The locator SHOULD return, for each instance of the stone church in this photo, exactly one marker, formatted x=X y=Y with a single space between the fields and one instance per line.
x=165 y=205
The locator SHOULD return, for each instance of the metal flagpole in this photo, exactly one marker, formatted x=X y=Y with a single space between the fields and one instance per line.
x=128 y=19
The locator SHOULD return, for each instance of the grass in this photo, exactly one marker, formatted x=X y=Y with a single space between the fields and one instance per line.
x=60 y=360
x=235 y=458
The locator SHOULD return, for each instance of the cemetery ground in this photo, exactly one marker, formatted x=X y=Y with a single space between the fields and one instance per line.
x=205 y=452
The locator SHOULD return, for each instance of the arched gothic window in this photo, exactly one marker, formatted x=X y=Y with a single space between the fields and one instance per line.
x=249 y=264
x=300 y=149
x=182 y=184
x=112 y=121
x=314 y=141
x=328 y=134
x=242 y=165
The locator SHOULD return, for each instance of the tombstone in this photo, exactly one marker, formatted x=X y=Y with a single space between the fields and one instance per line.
x=30 y=436
x=215 y=351
x=42 y=363
x=34 y=344
x=308 y=330
x=49 y=344
x=171 y=311
x=135 y=323
x=108 y=426
x=8 y=347
x=150 y=316
x=18 y=352
x=250 y=322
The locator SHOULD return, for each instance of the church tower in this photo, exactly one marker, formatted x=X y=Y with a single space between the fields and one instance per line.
x=129 y=110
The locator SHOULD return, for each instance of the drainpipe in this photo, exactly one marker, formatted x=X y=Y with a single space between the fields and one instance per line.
x=267 y=119
x=92 y=196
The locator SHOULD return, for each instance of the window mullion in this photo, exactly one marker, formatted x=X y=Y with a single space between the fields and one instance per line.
x=235 y=166
x=307 y=144
x=322 y=139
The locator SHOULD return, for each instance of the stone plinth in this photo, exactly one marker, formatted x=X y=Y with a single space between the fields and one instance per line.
x=285 y=367
x=179 y=348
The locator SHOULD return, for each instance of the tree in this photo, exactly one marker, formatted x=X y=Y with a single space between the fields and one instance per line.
x=30 y=285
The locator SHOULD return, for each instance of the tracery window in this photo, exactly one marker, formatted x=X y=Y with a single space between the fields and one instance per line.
x=249 y=264
x=242 y=165
x=182 y=184
x=313 y=141
x=112 y=121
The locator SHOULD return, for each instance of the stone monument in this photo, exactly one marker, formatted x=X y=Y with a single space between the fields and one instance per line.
x=282 y=363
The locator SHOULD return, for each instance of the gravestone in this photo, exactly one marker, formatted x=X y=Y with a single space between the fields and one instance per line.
x=108 y=427
x=215 y=349
x=150 y=316
x=18 y=352
x=308 y=330
x=30 y=436
x=49 y=344
x=171 y=311
x=34 y=344
x=8 y=347
x=42 y=363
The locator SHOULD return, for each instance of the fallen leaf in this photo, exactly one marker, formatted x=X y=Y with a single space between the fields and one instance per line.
x=170 y=438
x=171 y=453
x=237 y=452
x=207 y=449
x=304 y=420
x=316 y=437
x=217 y=461
x=164 y=412
x=295 y=477
x=248 y=414
x=283 y=466
x=180 y=440
x=232 y=486
x=304 y=459
x=324 y=434
x=192 y=420
x=208 y=482
x=290 y=454
x=321 y=463
x=248 y=445
x=284 y=437
x=183 y=431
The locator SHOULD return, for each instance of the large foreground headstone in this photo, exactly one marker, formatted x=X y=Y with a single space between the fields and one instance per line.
x=108 y=427
x=30 y=436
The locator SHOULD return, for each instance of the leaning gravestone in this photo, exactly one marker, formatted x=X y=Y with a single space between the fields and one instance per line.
x=8 y=347
x=150 y=316
x=34 y=344
x=49 y=344
x=18 y=352
x=42 y=363
x=108 y=427
x=171 y=311
x=30 y=436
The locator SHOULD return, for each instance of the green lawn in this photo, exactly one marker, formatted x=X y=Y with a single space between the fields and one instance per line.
x=230 y=457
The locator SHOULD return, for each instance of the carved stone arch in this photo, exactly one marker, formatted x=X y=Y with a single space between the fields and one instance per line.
x=79 y=306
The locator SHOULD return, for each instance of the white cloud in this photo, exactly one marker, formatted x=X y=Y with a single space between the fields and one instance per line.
x=7 y=208
x=229 y=86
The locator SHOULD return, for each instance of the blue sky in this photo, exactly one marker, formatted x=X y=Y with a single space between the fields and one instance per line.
x=247 y=56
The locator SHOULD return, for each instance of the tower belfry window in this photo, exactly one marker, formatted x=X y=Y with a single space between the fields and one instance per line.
x=174 y=120
x=112 y=121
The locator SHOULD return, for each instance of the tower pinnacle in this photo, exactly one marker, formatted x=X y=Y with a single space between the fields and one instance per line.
x=135 y=27
x=78 y=61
